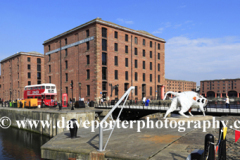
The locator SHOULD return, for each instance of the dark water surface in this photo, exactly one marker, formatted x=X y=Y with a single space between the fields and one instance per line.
x=18 y=144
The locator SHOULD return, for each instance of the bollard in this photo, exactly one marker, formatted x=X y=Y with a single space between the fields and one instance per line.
x=60 y=106
x=222 y=155
x=209 y=151
x=73 y=131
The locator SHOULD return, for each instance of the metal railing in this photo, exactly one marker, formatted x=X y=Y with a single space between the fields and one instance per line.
x=110 y=115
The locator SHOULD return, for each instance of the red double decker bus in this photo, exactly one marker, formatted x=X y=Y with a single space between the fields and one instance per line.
x=45 y=92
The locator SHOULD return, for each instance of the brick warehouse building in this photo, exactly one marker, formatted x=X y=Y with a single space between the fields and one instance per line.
x=179 y=85
x=220 y=88
x=100 y=56
x=18 y=71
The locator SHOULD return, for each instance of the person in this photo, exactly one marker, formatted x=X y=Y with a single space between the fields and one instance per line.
x=144 y=100
x=147 y=102
x=227 y=102
x=101 y=101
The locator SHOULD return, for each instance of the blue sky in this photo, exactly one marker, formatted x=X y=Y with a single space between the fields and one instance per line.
x=203 y=38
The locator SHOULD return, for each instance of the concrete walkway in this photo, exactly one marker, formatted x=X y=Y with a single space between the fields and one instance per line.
x=153 y=144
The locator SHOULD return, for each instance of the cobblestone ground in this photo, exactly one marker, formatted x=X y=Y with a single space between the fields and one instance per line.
x=232 y=148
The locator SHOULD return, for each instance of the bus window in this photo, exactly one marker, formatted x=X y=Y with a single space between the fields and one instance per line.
x=35 y=88
x=52 y=97
x=39 y=97
x=47 y=87
x=43 y=87
x=48 y=97
x=39 y=87
x=53 y=87
x=31 y=88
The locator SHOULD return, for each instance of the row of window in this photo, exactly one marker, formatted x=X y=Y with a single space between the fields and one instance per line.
x=104 y=35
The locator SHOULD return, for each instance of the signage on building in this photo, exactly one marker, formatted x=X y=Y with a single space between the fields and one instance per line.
x=70 y=45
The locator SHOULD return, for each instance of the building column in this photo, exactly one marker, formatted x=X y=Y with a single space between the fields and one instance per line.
x=237 y=95
x=205 y=94
x=162 y=92
x=220 y=95
x=215 y=95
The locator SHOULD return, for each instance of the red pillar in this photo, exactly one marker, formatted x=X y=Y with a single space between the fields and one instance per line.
x=237 y=95
x=205 y=94
x=162 y=92
x=215 y=95
x=220 y=95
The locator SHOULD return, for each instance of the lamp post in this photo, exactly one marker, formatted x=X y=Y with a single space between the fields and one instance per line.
x=71 y=84
x=79 y=84
x=10 y=94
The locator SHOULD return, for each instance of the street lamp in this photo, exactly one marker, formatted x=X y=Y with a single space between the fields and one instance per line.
x=79 y=84
x=71 y=84
x=10 y=94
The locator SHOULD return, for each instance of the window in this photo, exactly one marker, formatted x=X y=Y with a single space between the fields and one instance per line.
x=49 y=68
x=136 y=40
x=144 y=77
x=144 y=42
x=49 y=79
x=115 y=34
x=104 y=58
x=88 y=59
x=88 y=90
x=150 y=91
x=136 y=76
x=66 y=52
x=38 y=75
x=126 y=75
x=88 y=74
x=29 y=82
x=158 y=45
x=104 y=86
x=115 y=47
x=126 y=49
x=66 y=64
x=49 y=57
x=151 y=44
x=66 y=76
x=28 y=59
x=39 y=68
x=67 y=90
x=158 y=67
x=104 y=44
x=150 y=54
x=125 y=87
x=150 y=77
x=49 y=48
x=116 y=91
x=18 y=85
x=29 y=75
x=150 y=65
x=126 y=37
x=116 y=74
x=104 y=32
x=158 y=55
x=104 y=73
x=87 y=46
x=65 y=41
x=135 y=51
x=158 y=78
x=136 y=91
x=87 y=33
x=143 y=52
x=29 y=66
x=136 y=63
x=115 y=60
x=38 y=60
x=144 y=65
x=126 y=62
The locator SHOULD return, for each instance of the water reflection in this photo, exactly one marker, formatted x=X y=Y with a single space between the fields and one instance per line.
x=17 y=144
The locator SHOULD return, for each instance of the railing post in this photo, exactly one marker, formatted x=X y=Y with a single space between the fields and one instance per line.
x=209 y=152
x=100 y=138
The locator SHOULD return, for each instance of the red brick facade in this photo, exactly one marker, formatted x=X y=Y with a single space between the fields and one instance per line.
x=220 y=88
x=15 y=72
x=77 y=61
x=179 y=85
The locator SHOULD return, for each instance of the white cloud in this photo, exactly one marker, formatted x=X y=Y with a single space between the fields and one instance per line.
x=202 y=58
x=125 y=21
x=159 y=30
